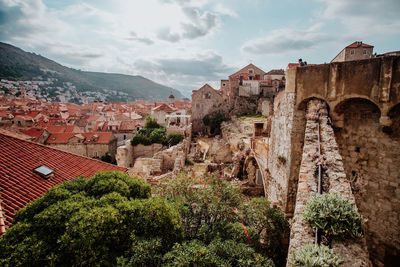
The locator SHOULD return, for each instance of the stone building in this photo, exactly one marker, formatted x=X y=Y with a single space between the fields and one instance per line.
x=355 y=51
x=205 y=101
x=94 y=144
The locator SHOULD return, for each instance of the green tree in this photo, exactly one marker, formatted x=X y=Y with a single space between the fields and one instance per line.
x=88 y=222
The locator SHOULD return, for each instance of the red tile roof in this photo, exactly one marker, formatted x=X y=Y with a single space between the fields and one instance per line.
x=63 y=138
x=358 y=44
x=19 y=185
x=276 y=72
x=33 y=132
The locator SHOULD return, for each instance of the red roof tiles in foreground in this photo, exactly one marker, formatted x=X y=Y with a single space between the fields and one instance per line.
x=19 y=185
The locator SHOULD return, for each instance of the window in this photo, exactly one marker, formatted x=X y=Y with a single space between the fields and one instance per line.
x=251 y=71
x=124 y=137
x=95 y=154
x=223 y=84
x=364 y=52
x=352 y=52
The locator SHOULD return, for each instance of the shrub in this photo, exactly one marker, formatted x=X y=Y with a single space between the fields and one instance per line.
x=315 y=256
x=158 y=136
x=107 y=157
x=334 y=215
x=217 y=253
x=174 y=139
x=151 y=123
x=140 y=139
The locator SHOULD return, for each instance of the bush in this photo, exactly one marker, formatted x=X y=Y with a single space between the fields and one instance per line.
x=217 y=253
x=334 y=215
x=107 y=157
x=140 y=139
x=315 y=256
x=174 y=139
x=151 y=123
x=158 y=136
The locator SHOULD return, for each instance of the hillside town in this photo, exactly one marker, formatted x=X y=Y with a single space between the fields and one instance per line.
x=285 y=136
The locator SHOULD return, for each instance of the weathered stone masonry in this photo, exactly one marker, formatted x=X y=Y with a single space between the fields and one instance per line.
x=362 y=99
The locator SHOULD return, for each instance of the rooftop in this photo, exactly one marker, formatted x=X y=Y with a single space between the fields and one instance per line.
x=20 y=184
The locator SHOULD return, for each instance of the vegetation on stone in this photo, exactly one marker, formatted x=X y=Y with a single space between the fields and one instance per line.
x=334 y=215
x=315 y=256
x=152 y=133
x=214 y=122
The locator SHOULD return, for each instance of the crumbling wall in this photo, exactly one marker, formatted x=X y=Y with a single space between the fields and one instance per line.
x=352 y=252
x=372 y=164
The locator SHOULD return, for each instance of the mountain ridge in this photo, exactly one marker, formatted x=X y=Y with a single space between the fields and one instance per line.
x=17 y=64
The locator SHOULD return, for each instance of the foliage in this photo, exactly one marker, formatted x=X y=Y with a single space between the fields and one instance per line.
x=158 y=136
x=173 y=139
x=212 y=208
x=217 y=253
x=151 y=123
x=88 y=222
x=107 y=157
x=140 y=139
x=206 y=201
x=334 y=215
x=214 y=122
x=152 y=133
x=270 y=225
x=315 y=256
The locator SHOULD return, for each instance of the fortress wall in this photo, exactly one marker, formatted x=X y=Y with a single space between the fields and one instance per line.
x=372 y=164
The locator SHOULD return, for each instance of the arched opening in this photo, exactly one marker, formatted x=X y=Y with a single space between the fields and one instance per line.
x=370 y=158
x=303 y=104
x=359 y=114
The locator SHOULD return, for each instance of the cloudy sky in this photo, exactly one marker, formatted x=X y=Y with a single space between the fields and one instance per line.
x=186 y=43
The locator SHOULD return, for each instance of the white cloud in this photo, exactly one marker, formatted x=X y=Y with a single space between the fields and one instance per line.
x=226 y=11
x=286 y=40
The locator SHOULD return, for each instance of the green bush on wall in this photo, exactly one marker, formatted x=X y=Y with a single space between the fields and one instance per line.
x=334 y=215
x=315 y=256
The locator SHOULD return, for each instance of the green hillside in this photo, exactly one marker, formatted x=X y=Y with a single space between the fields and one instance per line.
x=16 y=64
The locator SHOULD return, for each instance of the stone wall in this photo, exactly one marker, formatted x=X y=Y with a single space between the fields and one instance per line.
x=352 y=252
x=372 y=164
x=285 y=146
x=142 y=151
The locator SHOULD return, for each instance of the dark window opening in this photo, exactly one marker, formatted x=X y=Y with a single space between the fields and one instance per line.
x=353 y=173
x=358 y=149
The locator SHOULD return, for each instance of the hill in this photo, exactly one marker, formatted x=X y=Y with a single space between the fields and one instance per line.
x=16 y=64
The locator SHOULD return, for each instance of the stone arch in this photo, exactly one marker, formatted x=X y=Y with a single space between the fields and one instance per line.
x=351 y=107
x=303 y=104
x=258 y=174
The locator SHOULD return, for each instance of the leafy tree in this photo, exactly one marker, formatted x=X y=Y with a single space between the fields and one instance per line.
x=334 y=215
x=87 y=222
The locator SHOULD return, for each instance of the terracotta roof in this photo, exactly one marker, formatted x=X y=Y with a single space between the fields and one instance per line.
x=33 y=132
x=358 y=44
x=276 y=72
x=61 y=129
x=90 y=138
x=164 y=107
x=19 y=185
x=130 y=125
